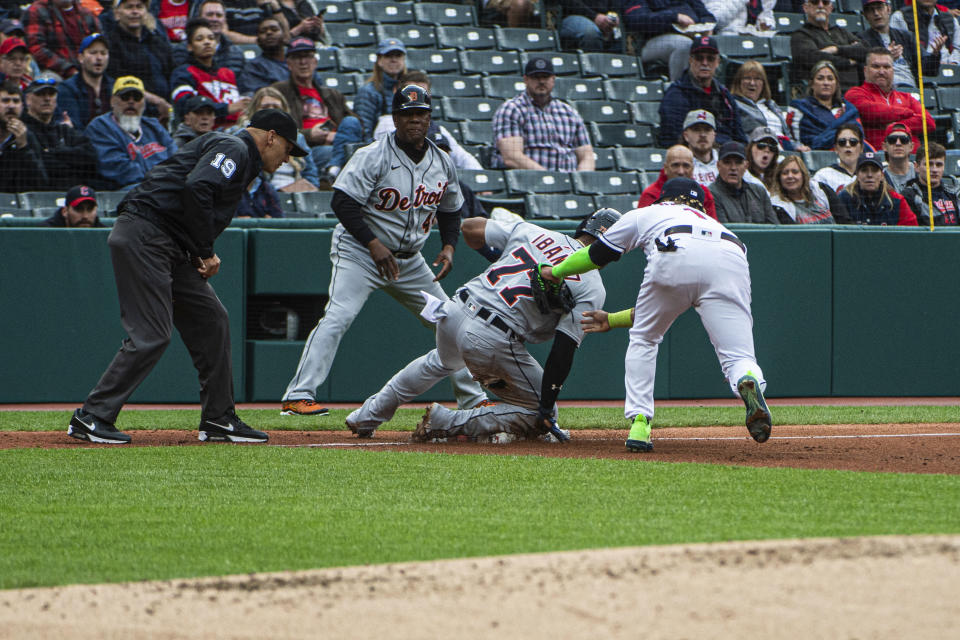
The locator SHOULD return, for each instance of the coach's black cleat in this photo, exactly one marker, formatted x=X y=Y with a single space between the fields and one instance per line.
x=759 y=420
x=86 y=426
x=230 y=428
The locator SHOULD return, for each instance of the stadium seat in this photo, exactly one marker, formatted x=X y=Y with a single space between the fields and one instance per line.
x=10 y=201
x=848 y=6
x=444 y=14
x=568 y=89
x=646 y=113
x=952 y=166
x=522 y=39
x=780 y=48
x=480 y=180
x=457 y=109
x=601 y=182
x=287 y=203
x=603 y=159
x=327 y=60
x=640 y=158
x=736 y=46
x=314 y=203
x=345 y=83
x=34 y=199
x=361 y=59
x=621 y=135
x=464 y=38
x=622 y=202
x=603 y=110
x=523 y=181
x=351 y=35
x=634 y=90
x=851 y=22
x=434 y=61
x=557 y=206
x=817 y=159
x=479 y=132
x=250 y=51
x=490 y=62
x=43 y=212
x=503 y=87
x=787 y=23
x=383 y=12
x=414 y=36
x=564 y=64
x=107 y=202
x=609 y=65
x=949 y=75
x=335 y=11
x=456 y=86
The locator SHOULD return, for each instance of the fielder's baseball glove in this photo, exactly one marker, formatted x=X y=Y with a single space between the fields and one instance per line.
x=550 y=297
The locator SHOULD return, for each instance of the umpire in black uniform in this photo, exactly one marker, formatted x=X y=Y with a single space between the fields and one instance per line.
x=162 y=251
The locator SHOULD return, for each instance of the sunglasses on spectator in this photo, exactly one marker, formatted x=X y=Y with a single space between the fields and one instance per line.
x=136 y=96
x=825 y=3
x=767 y=146
x=898 y=139
x=47 y=81
x=847 y=142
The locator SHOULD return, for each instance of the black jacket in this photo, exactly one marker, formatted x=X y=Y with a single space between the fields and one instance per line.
x=194 y=194
x=21 y=168
x=68 y=156
x=149 y=58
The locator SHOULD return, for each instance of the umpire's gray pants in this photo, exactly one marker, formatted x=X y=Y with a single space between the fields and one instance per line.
x=353 y=278
x=159 y=289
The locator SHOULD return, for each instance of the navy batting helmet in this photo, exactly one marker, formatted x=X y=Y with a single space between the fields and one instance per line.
x=411 y=97
x=598 y=222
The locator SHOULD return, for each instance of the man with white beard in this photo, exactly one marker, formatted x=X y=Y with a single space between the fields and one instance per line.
x=128 y=143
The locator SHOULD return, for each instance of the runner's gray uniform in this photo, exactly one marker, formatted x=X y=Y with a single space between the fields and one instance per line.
x=484 y=326
x=400 y=200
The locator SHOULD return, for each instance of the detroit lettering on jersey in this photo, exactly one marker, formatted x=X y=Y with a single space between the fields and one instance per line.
x=391 y=200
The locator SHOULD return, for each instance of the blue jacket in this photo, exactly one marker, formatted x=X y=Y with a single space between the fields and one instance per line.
x=653 y=17
x=122 y=161
x=684 y=96
x=370 y=104
x=72 y=98
x=261 y=72
x=818 y=127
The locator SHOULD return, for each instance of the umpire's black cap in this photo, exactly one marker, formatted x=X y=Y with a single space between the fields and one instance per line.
x=282 y=123
x=676 y=187
x=411 y=97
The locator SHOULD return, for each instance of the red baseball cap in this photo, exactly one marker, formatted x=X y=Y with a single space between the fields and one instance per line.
x=897 y=126
x=10 y=44
x=80 y=193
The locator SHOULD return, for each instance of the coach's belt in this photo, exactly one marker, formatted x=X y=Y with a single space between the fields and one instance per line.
x=490 y=317
x=687 y=228
x=403 y=255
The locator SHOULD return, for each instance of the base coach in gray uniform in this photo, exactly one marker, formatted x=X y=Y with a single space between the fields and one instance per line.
x=162 y=251
x=387 y=197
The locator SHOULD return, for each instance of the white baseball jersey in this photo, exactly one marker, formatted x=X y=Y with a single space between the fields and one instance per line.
x=640 y=227
x=400 y=197
x=505 y=286
x=706 y=172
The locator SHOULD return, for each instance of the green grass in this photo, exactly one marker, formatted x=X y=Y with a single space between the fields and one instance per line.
x=570 y=417
x=95 y=515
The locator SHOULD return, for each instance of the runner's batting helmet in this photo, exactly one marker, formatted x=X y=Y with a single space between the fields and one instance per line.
x=598 y=222
x=411 y=97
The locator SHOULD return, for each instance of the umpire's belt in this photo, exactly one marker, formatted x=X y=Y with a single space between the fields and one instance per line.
x=490 y=317
x=403 y=255
x=687 y=228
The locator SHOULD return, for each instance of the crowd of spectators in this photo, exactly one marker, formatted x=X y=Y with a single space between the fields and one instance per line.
x=93 y=95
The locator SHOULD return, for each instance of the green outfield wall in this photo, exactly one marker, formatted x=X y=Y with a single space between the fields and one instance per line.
x=837 y=311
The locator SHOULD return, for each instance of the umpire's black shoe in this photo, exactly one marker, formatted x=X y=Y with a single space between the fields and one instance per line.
x=230 y=428
x=86 y=426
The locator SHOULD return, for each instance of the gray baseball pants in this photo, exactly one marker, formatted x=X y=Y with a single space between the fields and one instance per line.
x=353 y=278
x=159 y=289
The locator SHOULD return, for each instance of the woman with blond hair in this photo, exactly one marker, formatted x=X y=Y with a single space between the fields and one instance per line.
x=815 y=118
x=755 y=106
x=297 y=174
x=375 y=98
x=798 y=200
x=869 y=200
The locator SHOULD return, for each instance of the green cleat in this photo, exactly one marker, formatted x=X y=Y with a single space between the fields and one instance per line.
x=758 y=416
x=640 y=440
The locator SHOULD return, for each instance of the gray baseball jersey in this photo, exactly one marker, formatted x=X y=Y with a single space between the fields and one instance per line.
x=400 y=198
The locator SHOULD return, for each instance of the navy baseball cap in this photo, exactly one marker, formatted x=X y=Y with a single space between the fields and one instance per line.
x=282 y=123
x=80 y=193
x=539 y=65
x=411 y=97
x=869 y=157
x=681 y=186
x=39 y=84
x=11 y=25
x=732 y=148
x=195 y=103
x=89 y=40
x=704 y=43
x=301 y=44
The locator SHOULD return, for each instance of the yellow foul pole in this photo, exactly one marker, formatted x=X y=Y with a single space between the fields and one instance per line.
x=923 y=113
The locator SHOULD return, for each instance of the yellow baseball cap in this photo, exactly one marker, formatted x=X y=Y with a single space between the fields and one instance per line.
x=124 y=84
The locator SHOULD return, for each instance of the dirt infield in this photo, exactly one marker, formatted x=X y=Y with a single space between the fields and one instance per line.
x=901 y=448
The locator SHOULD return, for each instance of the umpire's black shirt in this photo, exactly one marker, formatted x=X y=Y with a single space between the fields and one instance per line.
x=193 y=195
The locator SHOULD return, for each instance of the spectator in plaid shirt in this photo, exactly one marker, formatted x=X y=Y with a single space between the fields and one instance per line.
x=536 y=131
x=55 y=29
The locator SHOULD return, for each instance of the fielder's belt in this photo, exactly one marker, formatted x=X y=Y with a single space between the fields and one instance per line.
x=490 y=317
x=403 y=255
x=687 y=228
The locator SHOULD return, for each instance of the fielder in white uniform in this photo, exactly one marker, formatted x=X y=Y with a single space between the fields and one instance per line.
x=484 y=326
x=692 y=261
x=387 y=197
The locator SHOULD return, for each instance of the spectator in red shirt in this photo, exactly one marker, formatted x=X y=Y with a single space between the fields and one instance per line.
x=55 y=29
x=879 y=105
x=14 y=62
x=677 y=163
